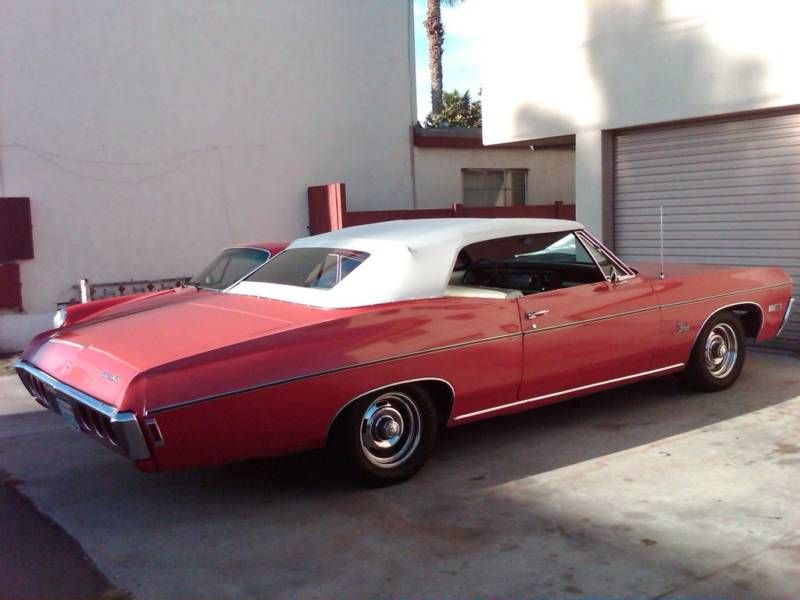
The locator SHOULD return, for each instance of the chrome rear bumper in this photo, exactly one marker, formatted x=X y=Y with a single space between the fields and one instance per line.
x=119 y=431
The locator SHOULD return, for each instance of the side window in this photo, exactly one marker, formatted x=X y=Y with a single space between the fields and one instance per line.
x=602 y=260
x=527 y=264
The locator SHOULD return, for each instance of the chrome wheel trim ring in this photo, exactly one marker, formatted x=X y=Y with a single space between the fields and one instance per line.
x=391 y=429
x=721 y=350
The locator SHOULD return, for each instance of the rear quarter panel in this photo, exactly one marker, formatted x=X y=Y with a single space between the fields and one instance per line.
x=298 y=382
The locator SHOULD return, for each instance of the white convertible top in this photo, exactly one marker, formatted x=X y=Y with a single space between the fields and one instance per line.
x=407 y=259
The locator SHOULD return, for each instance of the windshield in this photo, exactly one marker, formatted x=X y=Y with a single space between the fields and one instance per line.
x=230 y=267
x=564 y=249
x=319 y=268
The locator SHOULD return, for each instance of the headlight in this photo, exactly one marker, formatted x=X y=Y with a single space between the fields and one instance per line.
x=59 y=318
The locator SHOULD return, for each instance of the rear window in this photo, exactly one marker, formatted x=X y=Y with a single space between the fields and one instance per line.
x=320 y=268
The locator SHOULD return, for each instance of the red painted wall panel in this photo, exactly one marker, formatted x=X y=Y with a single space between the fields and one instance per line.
x=16 y=238
x=10 y=287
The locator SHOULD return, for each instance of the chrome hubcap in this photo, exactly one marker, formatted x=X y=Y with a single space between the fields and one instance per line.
x=721 y=350
x=390 y=429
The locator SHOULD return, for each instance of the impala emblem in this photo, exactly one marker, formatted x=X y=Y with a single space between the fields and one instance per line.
x=109 y=376
x=681 y=327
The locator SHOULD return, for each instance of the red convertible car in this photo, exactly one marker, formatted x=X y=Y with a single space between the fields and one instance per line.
x=371 y=338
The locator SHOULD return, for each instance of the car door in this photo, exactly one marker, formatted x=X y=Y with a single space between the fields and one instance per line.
x=585 y=334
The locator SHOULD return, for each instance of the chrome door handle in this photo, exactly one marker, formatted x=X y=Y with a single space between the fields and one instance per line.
x=538 y=313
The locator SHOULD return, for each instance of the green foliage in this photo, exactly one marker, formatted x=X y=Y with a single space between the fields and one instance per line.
x=459 y=111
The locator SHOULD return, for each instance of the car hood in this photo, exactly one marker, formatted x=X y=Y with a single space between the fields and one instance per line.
x=103 y=357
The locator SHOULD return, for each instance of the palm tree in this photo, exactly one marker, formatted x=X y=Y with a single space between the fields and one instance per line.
x=435 y=30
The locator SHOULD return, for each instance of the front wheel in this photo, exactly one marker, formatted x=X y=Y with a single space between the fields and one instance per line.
x=386 y=437
x=718 y=355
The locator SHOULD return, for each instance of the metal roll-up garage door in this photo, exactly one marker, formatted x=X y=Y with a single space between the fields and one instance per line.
x=730 y=192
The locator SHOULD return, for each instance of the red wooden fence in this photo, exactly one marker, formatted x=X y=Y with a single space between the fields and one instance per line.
x=327 y=211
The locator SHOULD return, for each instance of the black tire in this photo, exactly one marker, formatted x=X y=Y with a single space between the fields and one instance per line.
x=386 y=437
x=718 y=355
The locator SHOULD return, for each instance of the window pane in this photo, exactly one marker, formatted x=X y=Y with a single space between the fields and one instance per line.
x=519 y=185
x=310 y=267
x=601 y=259
x=483 y=187
x=473 y=179
x=229 y=267
x=474 y=198
x=517 y=197
x=519 y=179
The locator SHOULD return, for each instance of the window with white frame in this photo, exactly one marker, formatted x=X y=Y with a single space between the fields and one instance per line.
x=495 y=187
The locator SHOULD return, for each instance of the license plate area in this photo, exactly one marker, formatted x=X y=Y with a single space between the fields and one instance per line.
x=65 y=408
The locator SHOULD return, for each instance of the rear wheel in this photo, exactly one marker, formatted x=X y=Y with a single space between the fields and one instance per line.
x=718 y=355
x=386 y=437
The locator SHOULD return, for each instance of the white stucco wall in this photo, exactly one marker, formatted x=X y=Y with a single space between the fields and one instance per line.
x=553 y=68
x=551 y=172
x=150 y=134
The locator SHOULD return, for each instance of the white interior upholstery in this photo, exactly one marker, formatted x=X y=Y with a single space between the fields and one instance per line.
x=474 y=291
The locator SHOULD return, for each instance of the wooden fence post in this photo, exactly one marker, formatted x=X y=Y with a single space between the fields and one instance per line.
x=327 y=207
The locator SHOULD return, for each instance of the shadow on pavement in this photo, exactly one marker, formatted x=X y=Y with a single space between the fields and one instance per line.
x=38 y=559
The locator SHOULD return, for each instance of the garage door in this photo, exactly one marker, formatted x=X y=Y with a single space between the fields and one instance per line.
x=730 y=192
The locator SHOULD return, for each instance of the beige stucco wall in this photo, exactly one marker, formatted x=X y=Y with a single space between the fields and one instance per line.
x=553 y=68
x=150 y=134
x=551 y=172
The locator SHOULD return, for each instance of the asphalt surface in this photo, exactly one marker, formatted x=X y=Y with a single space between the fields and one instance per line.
x=647 y=491
x=38 y=559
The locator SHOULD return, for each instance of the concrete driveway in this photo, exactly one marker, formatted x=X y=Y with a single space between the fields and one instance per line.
x=646 y=491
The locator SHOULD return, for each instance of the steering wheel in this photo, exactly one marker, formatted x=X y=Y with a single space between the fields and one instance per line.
x=482 y=264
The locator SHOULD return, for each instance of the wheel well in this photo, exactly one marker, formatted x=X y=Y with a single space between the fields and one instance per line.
x=442 y=395
x=751 y=316
x=441 y=392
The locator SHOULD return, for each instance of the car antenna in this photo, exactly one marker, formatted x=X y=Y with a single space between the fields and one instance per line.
x=661 y=236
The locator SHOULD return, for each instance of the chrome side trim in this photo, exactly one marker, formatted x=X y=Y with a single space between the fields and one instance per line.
x=124 y=422
x=786 y=316
x=383 y=387
x=569 y=391
x=369 y=363
x=725 y=295
x=703 y=324
x=592 y=320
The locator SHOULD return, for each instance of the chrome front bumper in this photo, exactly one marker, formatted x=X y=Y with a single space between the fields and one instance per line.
x=786 y=316
x=119 y=431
